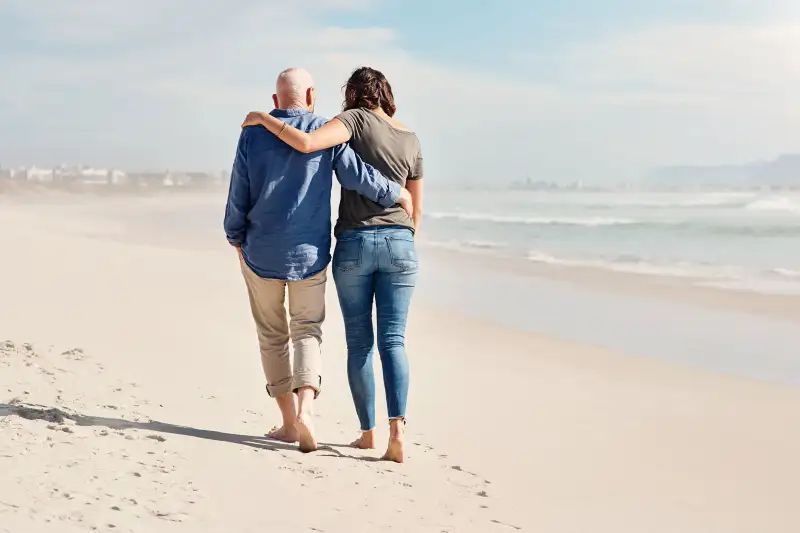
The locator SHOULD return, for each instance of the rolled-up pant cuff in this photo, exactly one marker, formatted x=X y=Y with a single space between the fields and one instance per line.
x=307 y=379
x=280 y=388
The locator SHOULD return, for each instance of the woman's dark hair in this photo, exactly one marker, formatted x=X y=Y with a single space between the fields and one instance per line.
x=370 y=89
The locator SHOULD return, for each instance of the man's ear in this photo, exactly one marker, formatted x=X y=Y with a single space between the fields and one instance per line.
x=311 y=96
x=275 y=100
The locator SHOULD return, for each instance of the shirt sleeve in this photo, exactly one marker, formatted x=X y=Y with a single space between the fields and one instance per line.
x=356 y=175
x=238 y=205
x=416 y=169
x=353 y=120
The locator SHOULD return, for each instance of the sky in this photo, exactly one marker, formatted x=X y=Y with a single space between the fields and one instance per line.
x=501 y=90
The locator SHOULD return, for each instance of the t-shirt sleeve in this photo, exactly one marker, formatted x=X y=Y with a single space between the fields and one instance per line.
x=416 y=169
x=353 y=120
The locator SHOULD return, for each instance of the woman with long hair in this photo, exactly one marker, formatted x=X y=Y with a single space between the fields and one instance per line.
x=375 y=259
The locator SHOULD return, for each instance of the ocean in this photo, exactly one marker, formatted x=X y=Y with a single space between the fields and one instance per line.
x=746 y=241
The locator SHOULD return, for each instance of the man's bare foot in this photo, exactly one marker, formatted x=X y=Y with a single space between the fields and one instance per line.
x=283 y=434
x=366 y=441
x=305 y=433
x=395 y=450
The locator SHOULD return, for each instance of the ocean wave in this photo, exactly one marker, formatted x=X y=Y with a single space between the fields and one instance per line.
x=777 y=280
x=774 y=281
x=635 y=265
x=735 y=228
x=786 y=273
x=746 y=230
x=652 y=200
x=777 y=203
x=468 y=245
x=728 y=199
x=712 y=199
x=545 y=221
x=681 y=201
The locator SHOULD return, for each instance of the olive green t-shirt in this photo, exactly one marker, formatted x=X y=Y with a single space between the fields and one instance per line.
x=394 y=152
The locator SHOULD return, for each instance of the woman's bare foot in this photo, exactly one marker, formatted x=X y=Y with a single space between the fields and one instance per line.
x=395 y=450
x=366 y=441
x=283 y=434
x=305 y=433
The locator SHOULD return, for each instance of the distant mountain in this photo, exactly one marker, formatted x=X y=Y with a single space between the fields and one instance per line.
x=784 y=171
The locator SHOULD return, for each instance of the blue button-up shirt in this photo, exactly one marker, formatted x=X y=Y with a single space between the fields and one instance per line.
x=279 y=202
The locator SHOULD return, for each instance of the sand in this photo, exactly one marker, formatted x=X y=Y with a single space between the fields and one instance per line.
x=131 y=399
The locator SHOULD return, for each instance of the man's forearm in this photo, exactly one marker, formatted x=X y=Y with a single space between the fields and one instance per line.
x=356 y=175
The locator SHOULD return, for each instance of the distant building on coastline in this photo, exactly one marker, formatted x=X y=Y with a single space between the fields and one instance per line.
x=531 y=185
x=89 y=176
x=81 y=176
x=196 y=180
x=540 y=185
x=41 y=175
x=148 y=179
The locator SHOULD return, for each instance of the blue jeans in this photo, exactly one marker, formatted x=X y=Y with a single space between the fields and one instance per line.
x=377 y=263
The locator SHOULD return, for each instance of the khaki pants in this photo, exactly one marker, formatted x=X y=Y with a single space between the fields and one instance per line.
x=306 y=312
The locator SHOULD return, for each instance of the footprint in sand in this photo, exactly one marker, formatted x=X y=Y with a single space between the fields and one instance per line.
x=75 y=354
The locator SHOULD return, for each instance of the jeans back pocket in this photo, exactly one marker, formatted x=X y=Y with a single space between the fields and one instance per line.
x=347 y=254
x=402 y=251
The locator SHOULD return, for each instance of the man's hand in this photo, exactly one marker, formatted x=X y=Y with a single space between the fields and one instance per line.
x=406 y=202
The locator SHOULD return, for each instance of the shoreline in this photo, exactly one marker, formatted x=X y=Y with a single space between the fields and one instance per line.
x=782 y=306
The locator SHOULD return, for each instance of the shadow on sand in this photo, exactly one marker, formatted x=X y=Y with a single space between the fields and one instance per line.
x=56 y=415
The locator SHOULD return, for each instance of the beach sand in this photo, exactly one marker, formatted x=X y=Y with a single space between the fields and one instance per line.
x=132 y=399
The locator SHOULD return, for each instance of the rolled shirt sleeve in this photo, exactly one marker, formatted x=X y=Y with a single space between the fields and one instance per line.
x=356 y=175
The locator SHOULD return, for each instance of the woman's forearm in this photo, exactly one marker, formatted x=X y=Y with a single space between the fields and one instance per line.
x=415 y=187
x=331 y=134
x=299 y=140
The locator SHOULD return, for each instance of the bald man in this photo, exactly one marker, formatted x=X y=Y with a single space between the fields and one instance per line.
x=278 y=217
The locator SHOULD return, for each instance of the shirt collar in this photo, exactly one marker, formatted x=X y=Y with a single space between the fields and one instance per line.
x=283 y=113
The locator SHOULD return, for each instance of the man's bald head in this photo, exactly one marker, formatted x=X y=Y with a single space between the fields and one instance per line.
x=294 y=88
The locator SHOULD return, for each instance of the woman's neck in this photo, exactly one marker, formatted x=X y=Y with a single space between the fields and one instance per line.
x=381 y=112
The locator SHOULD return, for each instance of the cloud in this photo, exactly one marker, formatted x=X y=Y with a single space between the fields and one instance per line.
x=167 y=83
x=700 y=60
x=104 y=22
x=118 y=85
x=685 y=93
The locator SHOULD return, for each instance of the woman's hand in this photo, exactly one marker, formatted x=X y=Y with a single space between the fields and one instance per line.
x=255 y=118
x=406 y=202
